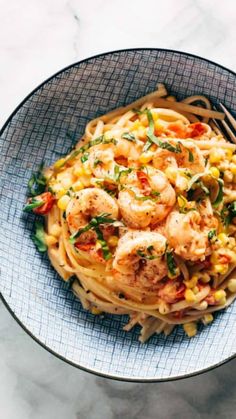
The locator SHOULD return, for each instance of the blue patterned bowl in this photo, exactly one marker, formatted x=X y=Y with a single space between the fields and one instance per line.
x=44 y=126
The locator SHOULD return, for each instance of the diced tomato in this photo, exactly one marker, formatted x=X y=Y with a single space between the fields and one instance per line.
x=108 y=230
x=178 y=129
x=210 y=299
x=195 y=130
x=143 y=179
x=123 y=161
x=48 y=200
x=172 y=291
x=224 y=259
x=85 y=247
x=89 y=247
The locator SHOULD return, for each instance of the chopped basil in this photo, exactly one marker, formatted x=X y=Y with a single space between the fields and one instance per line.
x=33 y=203
x=118 y=172
x=211 y=234
x=128 y=136
x=39 y=237
x=37 y=182
x=228 y=213
x=145 y=256
x=105 y=249
x=171 y=263
x=190 y=156
x=84 y=157
x=153 y=139
x=95 y=222
x=97 y=162
x=220 y=195
x=153 y=196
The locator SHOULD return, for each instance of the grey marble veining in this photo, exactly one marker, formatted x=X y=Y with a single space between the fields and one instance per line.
x=37 y=39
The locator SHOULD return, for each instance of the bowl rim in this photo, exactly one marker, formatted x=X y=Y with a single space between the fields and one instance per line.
x=28 y=331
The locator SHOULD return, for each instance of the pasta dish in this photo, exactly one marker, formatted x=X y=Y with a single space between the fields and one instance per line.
x=140 y=217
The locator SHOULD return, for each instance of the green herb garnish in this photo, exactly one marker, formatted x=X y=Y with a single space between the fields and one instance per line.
x=39 y=237
x=211 y=234
x=171 y=263
x=97 y=162
x=37 y=182
x=128 y=136
x=118 y=172
x=95 y=221
x=34 y=203
x=152 y=139
x=84 y=157
x=220 y=195
x=145 y=256
x=153 y=196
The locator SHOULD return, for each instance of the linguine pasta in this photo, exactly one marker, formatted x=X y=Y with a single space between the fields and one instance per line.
x=141 y=215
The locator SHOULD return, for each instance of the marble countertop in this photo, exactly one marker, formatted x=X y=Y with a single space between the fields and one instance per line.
x=37 y=39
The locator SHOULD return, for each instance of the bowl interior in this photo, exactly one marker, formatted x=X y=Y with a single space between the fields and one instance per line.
x=44 y=128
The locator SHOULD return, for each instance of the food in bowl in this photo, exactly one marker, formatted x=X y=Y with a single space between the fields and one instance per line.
x=141 y=215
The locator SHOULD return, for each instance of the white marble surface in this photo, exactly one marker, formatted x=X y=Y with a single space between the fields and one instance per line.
x=37 y=38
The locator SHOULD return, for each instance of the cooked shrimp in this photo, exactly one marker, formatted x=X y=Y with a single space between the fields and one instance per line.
x=101 y=160
x=186 y=236
x=103 y=157
x=146 y=199
x=139 y=258
x=189 y=157
x=89 y=203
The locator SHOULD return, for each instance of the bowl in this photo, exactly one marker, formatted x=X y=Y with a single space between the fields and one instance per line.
x=43 y=128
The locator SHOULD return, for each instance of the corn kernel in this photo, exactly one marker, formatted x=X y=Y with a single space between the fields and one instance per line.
x=78 y=171
x=215 y=172
x=182 y=201
x=216 y=155
x=223 y=238
x=50 y=240
x=59 y=163
x=77 y=186
x=233 y=168
x=195 y=290
x=171 y=173
x=164 y=308
x=205 y=278
x=177 y=273
x=214 y=258
x=190 y=329
x=189 y=296
x=146 y=157
x=191 y=283
x=218 y=295
x=63 y=202
x=201 y=306
x=155 y=115
x=208 y=318
x=233 y=159
x=55 y=230
x=232 y=285
x=113 y=241
x=228 y=154
x=221 y=268
x=95 y=311
x=98 y=245
x=136 y=125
